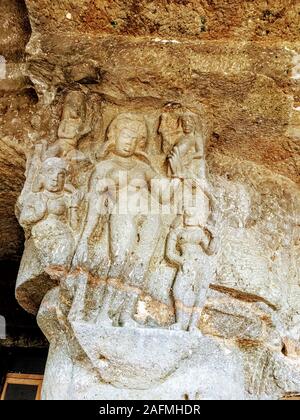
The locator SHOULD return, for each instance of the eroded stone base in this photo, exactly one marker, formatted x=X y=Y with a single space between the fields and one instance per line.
x=124 y=363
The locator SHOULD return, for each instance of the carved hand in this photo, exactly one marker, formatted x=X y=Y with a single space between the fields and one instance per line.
x=32 y=212
x=197 y=155
x=175 y=163
x=76 y=199
x=184 y=268
x=173 y=257
x=212 y=248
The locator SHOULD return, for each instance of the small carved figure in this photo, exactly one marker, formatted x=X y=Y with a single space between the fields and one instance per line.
x=50 y=216
x=168 y=128
x=75 y=123
x=187 y=248
x=189 y=146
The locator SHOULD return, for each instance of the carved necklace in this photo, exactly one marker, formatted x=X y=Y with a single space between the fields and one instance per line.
x=53 y=195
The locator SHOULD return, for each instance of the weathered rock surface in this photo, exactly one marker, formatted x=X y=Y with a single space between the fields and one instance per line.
x=235 y=67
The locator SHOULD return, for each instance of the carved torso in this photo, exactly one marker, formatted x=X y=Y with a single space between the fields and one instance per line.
x=57 y=205
x=44 y=205
x=117 y=175
x=191 y=244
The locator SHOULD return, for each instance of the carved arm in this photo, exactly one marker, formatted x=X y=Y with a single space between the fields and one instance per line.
x=212 y=247
x=209 y=245
x=171 y=252
x=76 y=199
x=199 y=147
x=97 y=204
x=33 y=210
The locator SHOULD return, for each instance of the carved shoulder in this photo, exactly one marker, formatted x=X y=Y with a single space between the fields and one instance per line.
x=175 y=233
x=101 y=170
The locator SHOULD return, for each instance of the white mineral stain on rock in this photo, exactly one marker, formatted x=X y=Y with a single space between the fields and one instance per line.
x=166 y=41
x=2 y=67
x=142 y=311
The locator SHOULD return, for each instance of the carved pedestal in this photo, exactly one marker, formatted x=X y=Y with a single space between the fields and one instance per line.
x=88 y=361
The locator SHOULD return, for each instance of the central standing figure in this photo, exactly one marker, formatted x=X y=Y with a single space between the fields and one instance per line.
x=120 y=190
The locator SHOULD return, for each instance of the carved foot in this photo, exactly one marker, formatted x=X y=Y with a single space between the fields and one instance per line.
x=129 y=323
x=177 y=327
x=104 y=320
x=195 y=330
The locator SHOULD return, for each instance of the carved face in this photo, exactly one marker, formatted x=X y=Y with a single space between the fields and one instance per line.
x=191 y=217
x=54 y=179
x=188 y=124
x=126 y=143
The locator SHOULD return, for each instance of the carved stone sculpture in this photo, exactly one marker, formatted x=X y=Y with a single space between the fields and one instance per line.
x=75 y=122
x=195 y=243
x=155 y=153
x=72 y=122
x=121 y=188
x=126 y=253
x=189 y=146
x=50 y=219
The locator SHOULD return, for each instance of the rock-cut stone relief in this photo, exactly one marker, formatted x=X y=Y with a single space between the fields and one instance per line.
x=123 y=251
x=182 y=143
x=188 y=247
x=73 y=122
x=122 y=187
x=50 y=216
x=123 y=204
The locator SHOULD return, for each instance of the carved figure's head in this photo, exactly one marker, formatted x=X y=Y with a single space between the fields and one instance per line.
x=54 y=172
x=196 y=216
x=126 y=136
x=188 y=123
x=73 y=115
x=191 y=216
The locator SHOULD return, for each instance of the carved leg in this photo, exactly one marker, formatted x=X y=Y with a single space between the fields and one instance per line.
x=195 y=318
x=94 y=299
x=118 y=302
x=122 y=237
x=137 y=266
x=198 y=308
x=103 y=316
x=127 y=315
x=184 y=296
x=183 y=316
x=120 y=244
